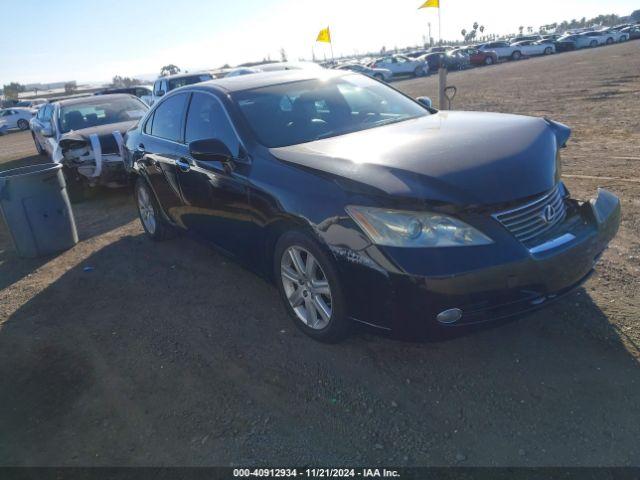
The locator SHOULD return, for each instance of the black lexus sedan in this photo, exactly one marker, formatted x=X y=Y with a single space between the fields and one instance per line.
x=365 y=205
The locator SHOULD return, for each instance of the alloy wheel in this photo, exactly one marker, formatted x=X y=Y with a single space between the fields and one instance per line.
x=147 y=212
x=306 y=287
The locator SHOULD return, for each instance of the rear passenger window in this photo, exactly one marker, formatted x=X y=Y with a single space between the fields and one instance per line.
x=167 y=119
x=208 y=119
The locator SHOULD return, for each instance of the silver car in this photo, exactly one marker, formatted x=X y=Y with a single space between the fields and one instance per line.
x=15 y=118
x=401 y=65
x=382 y=74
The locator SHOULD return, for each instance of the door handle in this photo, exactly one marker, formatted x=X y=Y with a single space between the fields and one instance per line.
x=183 y=165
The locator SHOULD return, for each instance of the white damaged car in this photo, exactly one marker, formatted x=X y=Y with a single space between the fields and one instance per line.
x=85 y=135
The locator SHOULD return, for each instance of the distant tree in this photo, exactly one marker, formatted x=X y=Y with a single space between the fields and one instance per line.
x=475 y=25
x=635 y=16
x=530 y=29
x=481 y=28
x=383 y=50
x=170 y=69
x=120 y=82
x=70 y=87
x=464 y=33
x=13 y=90
x=283 y=55
x=520 y=29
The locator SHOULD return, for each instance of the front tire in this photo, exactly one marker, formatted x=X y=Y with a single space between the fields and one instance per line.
x=379 y=77
x=41 y=151
x=516 y=55
x=310 y=288
x=609 y=41
x=488 y=61
x=547 y=51
x=593 y=44
x=419 y=72
x=154 y=225
x=23 y=124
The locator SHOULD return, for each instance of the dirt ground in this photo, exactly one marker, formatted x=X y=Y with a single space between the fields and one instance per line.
x=169 y=354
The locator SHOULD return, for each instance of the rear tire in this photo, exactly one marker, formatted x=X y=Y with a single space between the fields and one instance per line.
x=317 y=290
x=593 y=44
x=609 y=41
x=153 y=223
x=488 y=61
x=419 y=72
x=23 y=124
x=547 y=51
x=379 y=77
x=516 y=55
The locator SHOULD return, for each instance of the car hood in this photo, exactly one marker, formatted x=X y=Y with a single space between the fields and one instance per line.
x=461 y=158
x=105 y=135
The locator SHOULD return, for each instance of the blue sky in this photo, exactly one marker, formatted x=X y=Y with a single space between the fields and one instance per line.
x=95 y=40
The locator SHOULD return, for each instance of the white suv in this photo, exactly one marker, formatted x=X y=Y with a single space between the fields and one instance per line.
x=164 y=85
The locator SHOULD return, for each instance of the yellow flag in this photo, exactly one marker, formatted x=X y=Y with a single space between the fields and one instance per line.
x=430 y=3
x=325 y=35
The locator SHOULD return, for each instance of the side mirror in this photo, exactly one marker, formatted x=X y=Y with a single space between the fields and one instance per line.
x=160 y=93
x=210 y=149
x=47 y=130
x=426 y=101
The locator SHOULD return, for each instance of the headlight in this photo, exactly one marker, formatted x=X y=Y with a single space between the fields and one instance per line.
x=397 y=228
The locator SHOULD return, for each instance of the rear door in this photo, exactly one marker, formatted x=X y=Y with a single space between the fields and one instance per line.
x=216 y=201
x=161 y=136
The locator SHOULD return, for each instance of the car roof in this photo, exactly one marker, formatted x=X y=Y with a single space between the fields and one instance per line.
x=183 y=75
x=93 y=99
x=266 y=79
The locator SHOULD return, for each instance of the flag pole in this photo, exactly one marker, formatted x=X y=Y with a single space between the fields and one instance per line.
x=439 y=25
x=331 y=43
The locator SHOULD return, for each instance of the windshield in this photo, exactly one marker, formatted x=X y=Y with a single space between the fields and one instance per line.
x=182 y=81
x=300 y=112
x=93 y=114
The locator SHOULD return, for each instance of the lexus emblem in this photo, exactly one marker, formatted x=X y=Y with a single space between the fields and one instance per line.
x=548 y=214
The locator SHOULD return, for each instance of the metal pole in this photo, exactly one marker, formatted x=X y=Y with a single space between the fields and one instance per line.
x=442 y=79
x=439 y=27
x=331 y=43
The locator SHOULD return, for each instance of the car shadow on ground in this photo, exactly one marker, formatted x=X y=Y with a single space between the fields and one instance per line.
x=167 y=353
x=106 y=210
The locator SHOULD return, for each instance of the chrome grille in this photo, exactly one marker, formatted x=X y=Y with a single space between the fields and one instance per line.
x=534 y=219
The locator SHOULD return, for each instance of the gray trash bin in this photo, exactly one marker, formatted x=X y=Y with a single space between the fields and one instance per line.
x=36 y=209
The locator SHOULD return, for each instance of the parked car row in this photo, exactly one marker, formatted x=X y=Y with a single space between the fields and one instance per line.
x=263 y=165
x=423 y=61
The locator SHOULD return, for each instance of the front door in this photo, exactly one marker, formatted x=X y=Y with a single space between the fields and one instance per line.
x=214 y=193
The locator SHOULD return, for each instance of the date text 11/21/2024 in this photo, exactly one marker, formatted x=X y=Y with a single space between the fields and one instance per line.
x=316 y=473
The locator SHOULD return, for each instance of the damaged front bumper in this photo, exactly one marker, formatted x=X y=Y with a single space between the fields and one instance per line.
x=87 y=159
x=480 y=283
